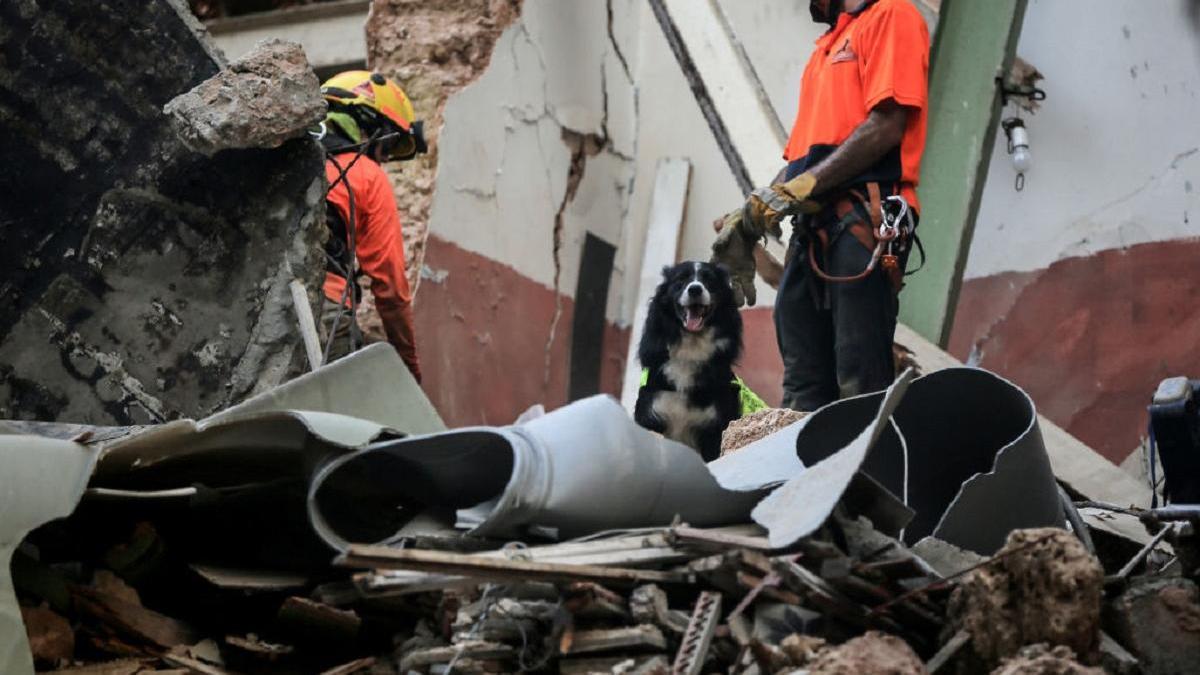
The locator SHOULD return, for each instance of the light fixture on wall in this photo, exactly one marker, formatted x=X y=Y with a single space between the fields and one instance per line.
x=1018 y=148
x=1020 y=88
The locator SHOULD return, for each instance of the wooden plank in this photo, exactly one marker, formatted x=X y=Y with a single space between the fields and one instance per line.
x=1074 y=463
x=478 y=650
x=460 y=564
x=309 y=619
x=654 y=548
x=947 y=652
x=660 y=248
x=355 y=666
x=195 y=666
x=744 y=536
x=644 y=663
x=308 y=325
x=645 y=636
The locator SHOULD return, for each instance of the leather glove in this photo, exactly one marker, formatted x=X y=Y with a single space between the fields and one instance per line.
x=735 y=251
x=766 y=207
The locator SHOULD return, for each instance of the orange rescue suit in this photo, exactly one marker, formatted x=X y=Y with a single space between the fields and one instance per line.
x=379 y=246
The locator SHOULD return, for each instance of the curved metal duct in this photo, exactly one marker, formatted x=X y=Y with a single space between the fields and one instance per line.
x=968 y=443
x=583 y=468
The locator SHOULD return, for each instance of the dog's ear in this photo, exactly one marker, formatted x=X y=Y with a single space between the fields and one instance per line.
x=666 y=271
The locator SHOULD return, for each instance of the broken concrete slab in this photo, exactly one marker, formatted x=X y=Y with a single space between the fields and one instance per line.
x=266 y=97
x=1158 y=620
x=945 y=558
x=144 y=281
x=1043 y=586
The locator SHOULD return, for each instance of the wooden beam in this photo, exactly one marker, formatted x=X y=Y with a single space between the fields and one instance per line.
x=645 y=637
x=442 y=562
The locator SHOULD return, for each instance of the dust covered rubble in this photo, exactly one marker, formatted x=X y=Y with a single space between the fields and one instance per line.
x=268 y=96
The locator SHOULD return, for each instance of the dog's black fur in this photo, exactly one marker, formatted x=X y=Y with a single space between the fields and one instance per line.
x=690 y=396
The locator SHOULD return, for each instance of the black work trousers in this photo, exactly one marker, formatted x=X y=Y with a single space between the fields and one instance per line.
x=835 y=337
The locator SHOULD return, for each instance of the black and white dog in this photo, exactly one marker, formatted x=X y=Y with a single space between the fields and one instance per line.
x=692 y=337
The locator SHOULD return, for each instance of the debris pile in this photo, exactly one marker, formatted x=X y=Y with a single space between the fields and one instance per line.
x=266 y=540
x=672 y=599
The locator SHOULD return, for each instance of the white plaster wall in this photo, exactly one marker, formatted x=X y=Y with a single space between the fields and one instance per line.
x=1116 y=145
x=327 y=40
x=503 y=167
x=504 y=163
x=778 y=37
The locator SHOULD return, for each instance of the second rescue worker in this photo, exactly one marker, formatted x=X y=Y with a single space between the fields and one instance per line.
x=370 y=121
x=857 y=140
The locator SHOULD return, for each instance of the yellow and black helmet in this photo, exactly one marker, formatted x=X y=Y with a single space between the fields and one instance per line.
x=362 y=102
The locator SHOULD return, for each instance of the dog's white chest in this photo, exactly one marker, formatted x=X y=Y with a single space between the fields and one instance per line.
x=686 y=357
x=680 y=418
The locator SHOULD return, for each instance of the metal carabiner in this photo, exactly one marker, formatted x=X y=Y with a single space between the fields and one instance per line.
x=889 y=226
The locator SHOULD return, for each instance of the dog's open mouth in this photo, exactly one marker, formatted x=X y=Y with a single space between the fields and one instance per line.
x=694 y=316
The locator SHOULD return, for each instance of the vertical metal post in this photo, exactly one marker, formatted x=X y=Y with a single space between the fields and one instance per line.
x=974 y=44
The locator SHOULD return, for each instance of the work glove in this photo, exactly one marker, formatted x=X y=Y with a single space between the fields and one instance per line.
x=766 y=207
x=735 y=251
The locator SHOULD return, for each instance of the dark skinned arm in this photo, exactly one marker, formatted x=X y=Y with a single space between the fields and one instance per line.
x=871 y=140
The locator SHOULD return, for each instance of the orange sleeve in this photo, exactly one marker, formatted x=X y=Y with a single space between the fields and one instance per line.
x=380 y=248
x=894 y=57
x=380 y=243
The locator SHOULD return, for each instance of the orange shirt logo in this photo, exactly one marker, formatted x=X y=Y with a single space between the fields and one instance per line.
x=844 y=53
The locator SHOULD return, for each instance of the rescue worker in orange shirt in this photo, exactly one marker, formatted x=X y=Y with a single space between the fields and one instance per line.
x=370 y=121
x=852 y=163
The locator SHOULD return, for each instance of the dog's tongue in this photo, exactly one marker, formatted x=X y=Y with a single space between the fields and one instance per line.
x=694 y=320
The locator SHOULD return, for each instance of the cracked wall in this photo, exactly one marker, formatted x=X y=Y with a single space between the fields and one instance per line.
x=534 y=155
x=1082 y=287
x=541 y=151
x=433 y=48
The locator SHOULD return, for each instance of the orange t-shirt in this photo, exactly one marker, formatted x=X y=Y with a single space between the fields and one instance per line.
x=880 y=52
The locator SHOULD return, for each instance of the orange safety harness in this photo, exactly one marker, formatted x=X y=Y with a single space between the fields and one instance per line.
x=888 y=231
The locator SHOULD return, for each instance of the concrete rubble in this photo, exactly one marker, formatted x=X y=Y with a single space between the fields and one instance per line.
x=1045 y=588
x=268 y=96
x=144 y=281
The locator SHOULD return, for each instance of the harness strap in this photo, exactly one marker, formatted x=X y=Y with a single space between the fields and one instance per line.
x=866 y=234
